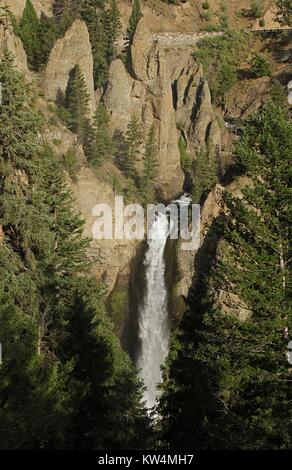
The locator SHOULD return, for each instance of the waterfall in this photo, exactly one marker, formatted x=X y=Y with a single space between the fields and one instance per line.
x=153 y=318
x=154 y=328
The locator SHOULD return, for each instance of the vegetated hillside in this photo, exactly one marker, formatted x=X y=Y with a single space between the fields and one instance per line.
x=136 y=121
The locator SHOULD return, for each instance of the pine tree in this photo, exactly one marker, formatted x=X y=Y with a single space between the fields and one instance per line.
x=112 y=27
x=29 y=32
x=65 y=12
x=47 y=37
x=76 y=102
x=135 y=17
x=150 y=160
x=228 y=385
x=64 y=381
x=31 y=380
x=104 y=27
x=98 y=142
x=204 y=174
x=133 y=142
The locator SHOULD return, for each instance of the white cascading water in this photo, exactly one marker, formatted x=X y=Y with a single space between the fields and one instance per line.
x=154 y=328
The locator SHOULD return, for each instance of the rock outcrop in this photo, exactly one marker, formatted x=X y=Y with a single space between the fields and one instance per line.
x=120 y=100
x=148 y=95
x=194 y=110
x=71 y=50
x=114 y=256
x=191 y=264
x=14 y=44
x=17 y=6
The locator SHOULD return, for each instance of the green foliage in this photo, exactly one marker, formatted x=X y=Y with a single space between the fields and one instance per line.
x=204 y=174
x=207 y=15
x=256 y=9
x=70 y=162
x=185 y=158
x=133 y=143
x=135 y=17
x=98 y=144
x=262 y=23
x=65 y=12
x=278 y=94
x=47 y=35
x=64 y=382
x=104 y=27
x=206 y=5
x=284 y=13
x=118 y=305
x=150 y=163
x=76 y=103
x=261 y=67
x=221 y=57
x=29 y=32
x=38 y=36
x=202 y=170
x=227 y=385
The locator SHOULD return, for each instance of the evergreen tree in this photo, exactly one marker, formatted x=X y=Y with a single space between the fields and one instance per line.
x=76 y=102
x=64 y=381
x=204 y=174
x=99 y=143
x=261 y=67
x=47 y=37
x=133 y=143
x=28 y=31
x=65 y=12
x=228 y=383
x=112 y=27
x=150 y=160
x=135 y=17
x=104 y=27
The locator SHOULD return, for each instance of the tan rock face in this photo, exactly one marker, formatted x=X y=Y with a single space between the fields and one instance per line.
x=141 y=51
x=113 y=256
x=17 y=6
x=118 y=97
x=71 y=50
x=195 y=111
x=14 y=44
x=149 y=97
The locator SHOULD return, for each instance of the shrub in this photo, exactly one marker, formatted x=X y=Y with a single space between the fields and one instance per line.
x=261 y=67
x=220 y=57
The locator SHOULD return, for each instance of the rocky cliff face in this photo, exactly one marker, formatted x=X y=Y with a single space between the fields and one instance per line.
x=194 y=110
x=166 y=88
x=71 y=50
x=192 y=264
x=14 y=44
x=148 y=95
x=17 y=6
